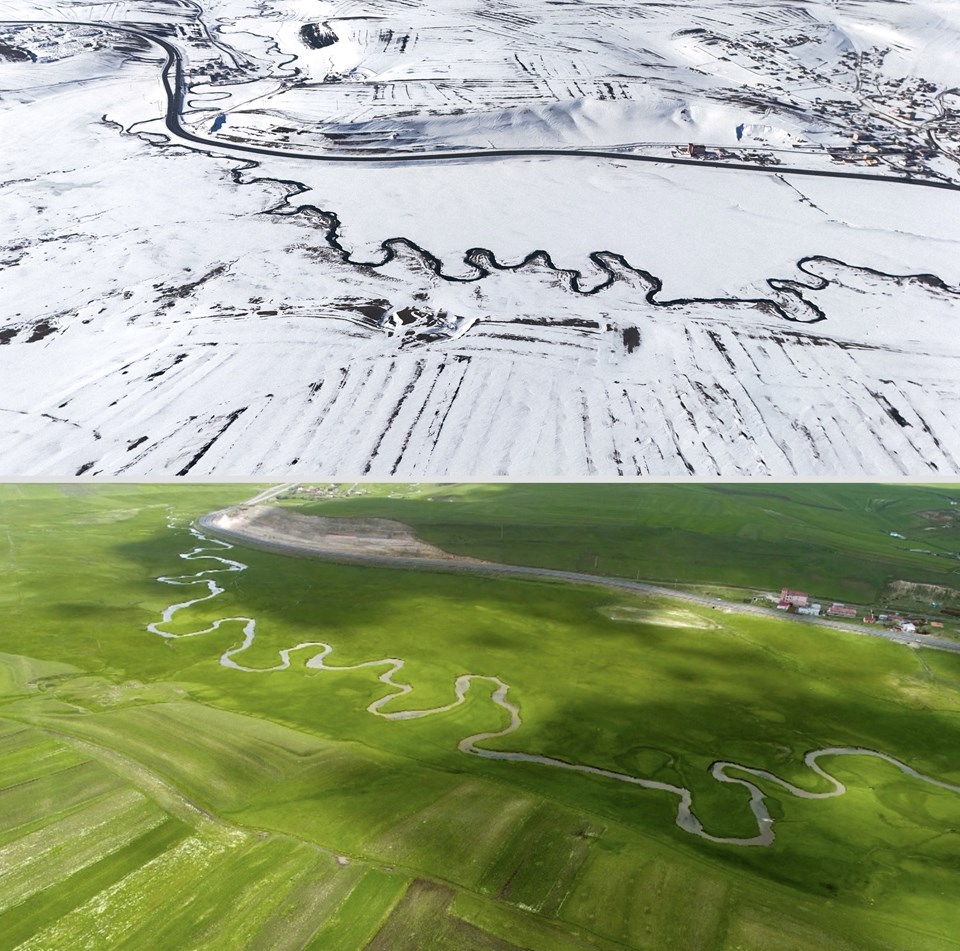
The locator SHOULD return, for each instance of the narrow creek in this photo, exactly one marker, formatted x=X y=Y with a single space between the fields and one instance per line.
x=686 y=818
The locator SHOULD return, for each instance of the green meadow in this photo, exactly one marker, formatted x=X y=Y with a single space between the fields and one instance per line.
x=832 y=539
x=152 y=797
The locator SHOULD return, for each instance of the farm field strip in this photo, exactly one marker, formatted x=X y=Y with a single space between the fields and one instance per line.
x=85 y=847
x=686 y=819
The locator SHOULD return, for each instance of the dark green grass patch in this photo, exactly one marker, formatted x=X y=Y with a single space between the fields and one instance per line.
x=536 y=865
x=833 y=540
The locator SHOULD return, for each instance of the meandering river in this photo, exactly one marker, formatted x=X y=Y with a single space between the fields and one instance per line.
x=211 y=550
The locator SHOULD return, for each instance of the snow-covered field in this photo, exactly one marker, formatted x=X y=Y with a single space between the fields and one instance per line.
x=237 y=246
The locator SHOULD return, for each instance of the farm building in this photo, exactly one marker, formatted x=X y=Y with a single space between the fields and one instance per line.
x=788 y=597
x=841 y=610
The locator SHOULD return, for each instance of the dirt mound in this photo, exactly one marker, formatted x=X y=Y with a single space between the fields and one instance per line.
x=347 y=536
x=922 y=592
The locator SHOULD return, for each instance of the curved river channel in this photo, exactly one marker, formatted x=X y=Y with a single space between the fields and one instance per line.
x=686 y=818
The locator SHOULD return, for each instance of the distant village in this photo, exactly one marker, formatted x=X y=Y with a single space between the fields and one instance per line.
x=862 y=117
x=905 y=124
x=799 y=602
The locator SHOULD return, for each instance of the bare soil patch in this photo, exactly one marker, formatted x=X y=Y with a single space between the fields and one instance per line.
x=332 y=536
x=659 y=617
x=922 y=592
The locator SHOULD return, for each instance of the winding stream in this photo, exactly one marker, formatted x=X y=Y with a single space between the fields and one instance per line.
x=686 y=819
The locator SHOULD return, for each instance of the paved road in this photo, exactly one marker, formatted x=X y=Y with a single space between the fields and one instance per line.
x=175 y=86
x=271 y=493
x=206 y=524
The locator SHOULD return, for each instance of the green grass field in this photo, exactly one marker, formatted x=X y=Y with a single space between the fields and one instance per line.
x=150 y=797
x=833 y=540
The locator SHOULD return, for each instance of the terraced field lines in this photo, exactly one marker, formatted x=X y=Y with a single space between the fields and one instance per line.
x=517 y=928
x=131 y=909
x=48 y=795
x=32 y=755
x=307 y=906
x=249 y=892
x=37 y=912
x=66 y=845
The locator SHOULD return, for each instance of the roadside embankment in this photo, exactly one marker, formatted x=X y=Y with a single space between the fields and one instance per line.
x=391 y=544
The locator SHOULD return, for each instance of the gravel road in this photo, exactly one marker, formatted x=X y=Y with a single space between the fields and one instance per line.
x=208 y=524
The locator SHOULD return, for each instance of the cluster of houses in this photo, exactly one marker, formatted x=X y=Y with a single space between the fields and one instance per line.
x=703 y=152
x=909 y=625
x=798 y=602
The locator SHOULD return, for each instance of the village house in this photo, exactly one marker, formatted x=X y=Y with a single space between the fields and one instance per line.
x=790 y=598
x=841 y=610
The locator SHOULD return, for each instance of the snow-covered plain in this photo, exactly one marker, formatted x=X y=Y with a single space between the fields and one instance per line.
x=172 y=303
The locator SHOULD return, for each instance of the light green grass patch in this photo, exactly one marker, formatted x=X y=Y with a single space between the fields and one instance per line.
x=38 y=800
x=362 y=912
x=21 y=675
x=139 y=901
x=659 y=617
x=214 y=756
x=420 y=922
x=305 y=908
x=250 y=892
x=41 y=858
x=467 y=825
x=526 y=930
x=62 y=897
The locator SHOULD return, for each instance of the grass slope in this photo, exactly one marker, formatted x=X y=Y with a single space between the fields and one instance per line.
x=148 y=794
x=831 y=539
